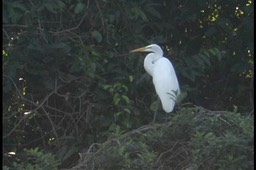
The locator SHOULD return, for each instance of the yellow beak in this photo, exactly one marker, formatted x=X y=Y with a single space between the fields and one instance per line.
x=142 y=49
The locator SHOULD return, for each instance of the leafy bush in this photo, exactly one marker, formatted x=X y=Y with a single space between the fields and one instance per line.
x=195 y=138
x=32 y=159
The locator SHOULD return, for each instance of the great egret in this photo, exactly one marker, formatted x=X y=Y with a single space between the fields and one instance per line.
x=163 y=74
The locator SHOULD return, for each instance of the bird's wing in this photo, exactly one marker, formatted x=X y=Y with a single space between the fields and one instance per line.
x=166 y=83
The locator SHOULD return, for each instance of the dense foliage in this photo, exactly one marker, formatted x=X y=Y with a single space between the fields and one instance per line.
x=69 y=80
x=195 y=138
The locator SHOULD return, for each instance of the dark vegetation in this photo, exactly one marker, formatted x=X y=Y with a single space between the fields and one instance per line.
x=70 y=85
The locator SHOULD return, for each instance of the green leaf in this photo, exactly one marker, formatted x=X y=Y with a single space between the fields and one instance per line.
x=71 y=151
x=79 y=7
x=209 y=135
x=97 y=35
x=125 y=87
x=212 y=52
x=187 y=73
x=127 y=100
x=127 y=110
x=116 y=99
x=154 y=106
x=205 y=58
x=198 y=60
x=181 y=97
x=139 y=14
x=131 y=78
x=217 y=53
x=154 y=12
x=61 y=5
x=199 y=135
x=50 y=8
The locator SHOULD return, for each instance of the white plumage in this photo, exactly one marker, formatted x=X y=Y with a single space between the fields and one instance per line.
x=163 y=74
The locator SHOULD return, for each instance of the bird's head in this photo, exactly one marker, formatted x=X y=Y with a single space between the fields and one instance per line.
x=150 y=48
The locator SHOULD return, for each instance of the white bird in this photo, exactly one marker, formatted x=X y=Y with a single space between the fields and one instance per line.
x=163 y=74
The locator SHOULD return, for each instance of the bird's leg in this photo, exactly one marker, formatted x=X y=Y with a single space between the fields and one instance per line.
x=158 y=100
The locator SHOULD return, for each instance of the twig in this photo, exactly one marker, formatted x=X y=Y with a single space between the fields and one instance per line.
x=8 y=134
x=45 y=99
x=101 y=16
x=163 y=153
x=14 y=25
x=38 y=106
x=70 y=29
x=6 y=34
x=53 y=128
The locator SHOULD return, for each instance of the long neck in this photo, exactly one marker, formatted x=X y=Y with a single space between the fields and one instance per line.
x=158 y=51
x=149 y=62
